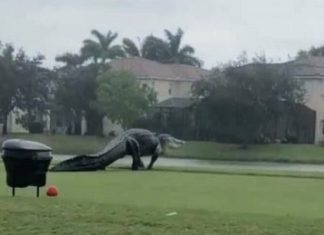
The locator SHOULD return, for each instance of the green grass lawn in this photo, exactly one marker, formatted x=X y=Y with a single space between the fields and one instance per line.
x=302 y=153
x=65 y=144
x=126 y=202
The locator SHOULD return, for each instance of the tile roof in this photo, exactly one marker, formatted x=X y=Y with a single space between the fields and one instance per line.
x=148 y=69
x=312 y=66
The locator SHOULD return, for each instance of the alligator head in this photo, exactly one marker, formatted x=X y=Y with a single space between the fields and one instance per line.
x=170 y=141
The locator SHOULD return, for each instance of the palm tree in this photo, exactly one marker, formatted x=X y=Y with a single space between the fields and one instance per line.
x=101 y=49
x=178 y=54
x=164 y=51
x=70 y=59
x=131 y=48
x=153 y=48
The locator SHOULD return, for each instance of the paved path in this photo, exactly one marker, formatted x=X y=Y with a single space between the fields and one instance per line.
x=220 y=165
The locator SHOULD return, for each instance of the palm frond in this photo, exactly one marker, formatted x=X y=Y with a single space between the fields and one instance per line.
x=174 y=40
x=88 y=42
x=190 y=60
x=90 y=49
x=130 y=47
x=168 y=34
x=101 y=38
x=155 y=49
x=110 y=38
x=115 y=52
x=69 y=59
x=187 y=50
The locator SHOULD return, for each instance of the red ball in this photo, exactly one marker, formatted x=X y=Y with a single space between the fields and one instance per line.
x=52 y=191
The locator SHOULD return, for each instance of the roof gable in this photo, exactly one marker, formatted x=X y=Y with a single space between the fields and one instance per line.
x=148 y=69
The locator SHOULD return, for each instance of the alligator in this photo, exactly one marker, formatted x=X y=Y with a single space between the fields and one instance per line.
x=134 y=142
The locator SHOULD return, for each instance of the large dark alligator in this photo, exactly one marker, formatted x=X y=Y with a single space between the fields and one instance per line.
x=134 y=142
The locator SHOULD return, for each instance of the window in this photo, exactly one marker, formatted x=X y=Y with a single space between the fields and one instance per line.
x=170 y=88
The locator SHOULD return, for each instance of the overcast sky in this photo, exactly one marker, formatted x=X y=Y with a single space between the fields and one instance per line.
x=219 y=30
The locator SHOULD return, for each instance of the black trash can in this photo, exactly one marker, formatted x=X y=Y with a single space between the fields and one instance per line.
x=26 y=163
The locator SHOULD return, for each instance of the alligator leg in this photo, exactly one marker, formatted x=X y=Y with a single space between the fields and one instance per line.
x=153 y=160
x=133 y=150
x=154 y=157
x=141 y=164
x=136 y=165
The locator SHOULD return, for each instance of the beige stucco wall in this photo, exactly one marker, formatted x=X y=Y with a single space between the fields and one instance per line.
x=166 y=88
x=160 y=86
x=314 y=99
x=181 y=88
x=12 y=125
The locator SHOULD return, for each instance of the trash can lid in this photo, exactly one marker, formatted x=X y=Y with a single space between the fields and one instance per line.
x=20 y=144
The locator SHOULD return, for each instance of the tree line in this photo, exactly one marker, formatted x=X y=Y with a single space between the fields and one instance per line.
x=244 y=101
x=83 y=84
x=239 y=99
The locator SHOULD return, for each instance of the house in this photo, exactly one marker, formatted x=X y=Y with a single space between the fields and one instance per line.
x=172 y=82
x=175 y=116
x=311 y=71
x=168 y=80
x=14 y=126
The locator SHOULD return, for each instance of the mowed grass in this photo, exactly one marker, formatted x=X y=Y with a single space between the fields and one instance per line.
x=65 y=144
x=125 y=202
x=293 y=153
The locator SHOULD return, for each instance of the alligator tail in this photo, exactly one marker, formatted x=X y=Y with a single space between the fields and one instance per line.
x=93 y=162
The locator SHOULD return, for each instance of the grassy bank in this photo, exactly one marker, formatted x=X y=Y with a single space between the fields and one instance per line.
x=294 y=153
x=125 y=202
x=65 y=144
x=302 y=153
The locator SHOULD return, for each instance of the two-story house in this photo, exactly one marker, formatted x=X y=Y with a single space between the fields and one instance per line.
x=311 y=71
x=170 y=81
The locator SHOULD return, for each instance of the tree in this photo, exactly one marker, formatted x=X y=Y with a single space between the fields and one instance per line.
x=313 y=51
x=101 y=49
x=131 y=48
x=76 y=85
x=240 y=101
x=34 y=88
x=122 y=98
x=70 y=59
x=178 y=54
x=153 y=48
x=9 y=83
x=75 y=92
x=164 y=51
